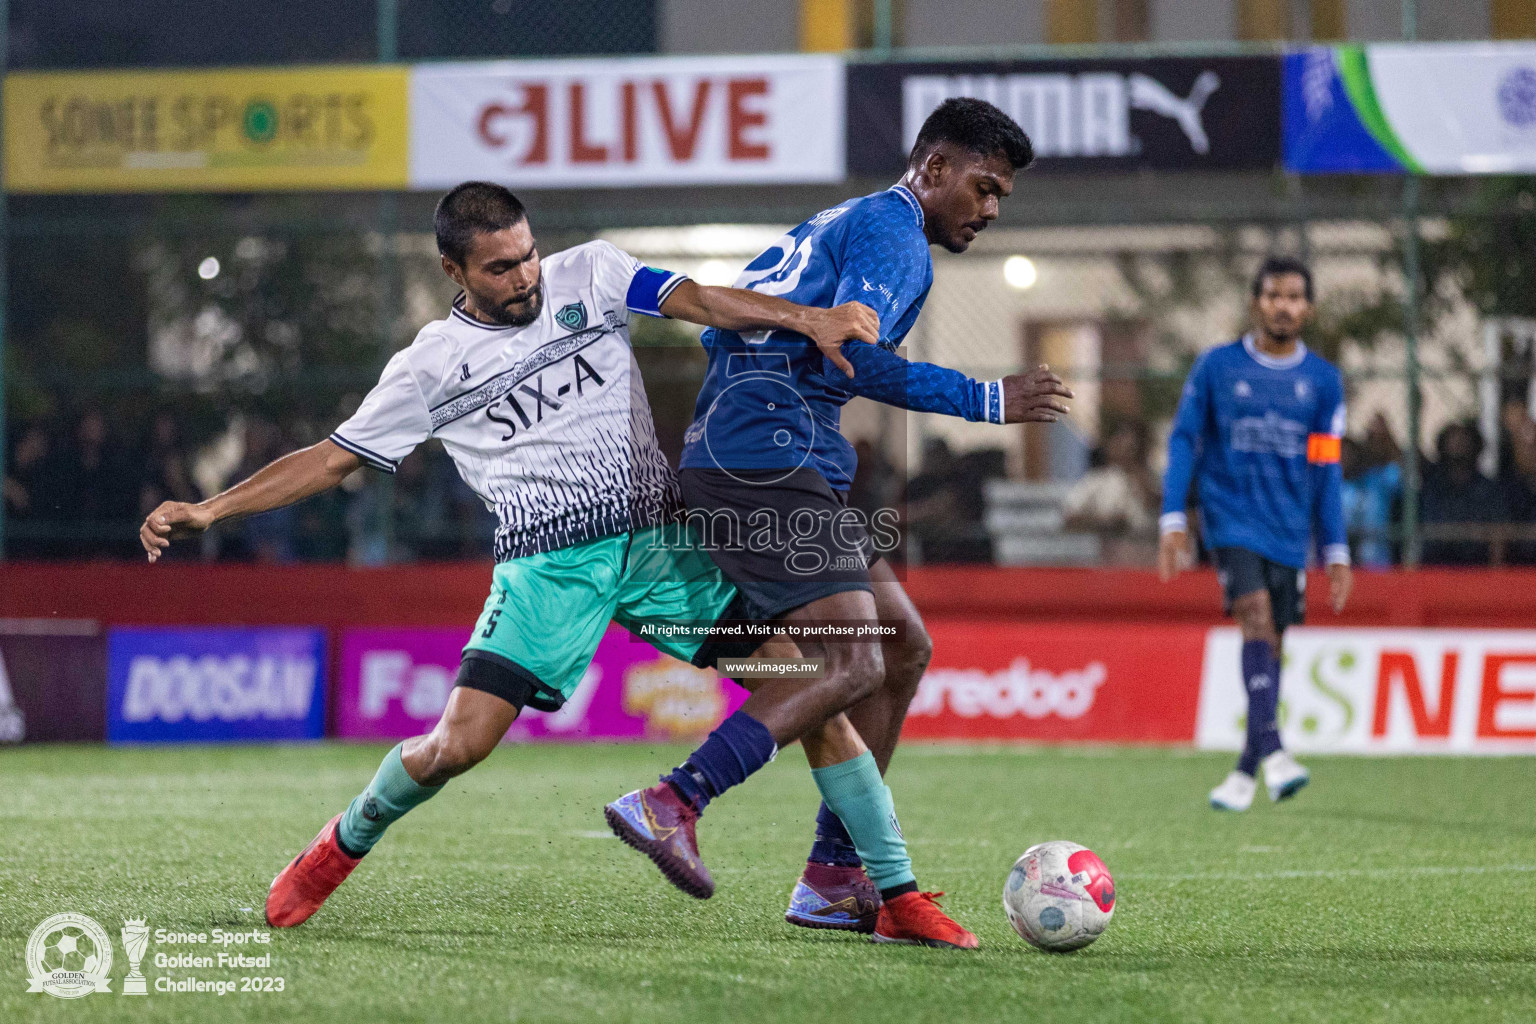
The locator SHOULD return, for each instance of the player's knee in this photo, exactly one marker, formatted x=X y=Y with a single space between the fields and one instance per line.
x=453 y=754
x=905 y=671
x=859 y=673
x=1254 y=616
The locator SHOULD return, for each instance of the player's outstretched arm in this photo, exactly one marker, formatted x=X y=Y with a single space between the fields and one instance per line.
x=1038 y=396
x=291 y=478
x=739 y=309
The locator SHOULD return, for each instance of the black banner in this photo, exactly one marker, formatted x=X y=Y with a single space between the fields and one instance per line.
x=53 y=681
x=1173 y=113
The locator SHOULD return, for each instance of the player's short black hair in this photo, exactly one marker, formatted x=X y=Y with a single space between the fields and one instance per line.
x=976 y=126
x=1278 y=266
x=469 y=209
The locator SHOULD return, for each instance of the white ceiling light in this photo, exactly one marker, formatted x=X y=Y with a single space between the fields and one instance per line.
x=1020 y=272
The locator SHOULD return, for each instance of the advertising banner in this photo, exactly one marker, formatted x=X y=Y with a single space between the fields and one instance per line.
x=658 y=121
x=395 y=683
x=215 y=685
x=53 y=681
x=1070 y=682
x=1424 y=108
x=1172 y=113
x=1384 y=691
x=239 y=130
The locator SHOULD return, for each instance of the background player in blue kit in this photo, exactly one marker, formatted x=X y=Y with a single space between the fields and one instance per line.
x=765 y=448
x=1258 y=432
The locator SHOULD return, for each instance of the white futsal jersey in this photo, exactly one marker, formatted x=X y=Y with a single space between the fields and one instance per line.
x=547 y=423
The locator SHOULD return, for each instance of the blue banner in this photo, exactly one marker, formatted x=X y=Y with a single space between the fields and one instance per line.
x=215 y=685
x=1326 y=129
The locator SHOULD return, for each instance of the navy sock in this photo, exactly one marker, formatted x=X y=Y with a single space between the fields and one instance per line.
x=1261 y=675
x=739 y=746
x=833 y=843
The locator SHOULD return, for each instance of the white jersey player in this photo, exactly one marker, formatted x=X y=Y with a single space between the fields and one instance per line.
x=532 y=387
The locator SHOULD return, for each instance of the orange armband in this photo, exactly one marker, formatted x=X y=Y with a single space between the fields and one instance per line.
x=1323 y=449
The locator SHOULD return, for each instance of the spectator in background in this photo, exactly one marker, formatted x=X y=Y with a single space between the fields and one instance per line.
x=1118 y=499
x=268 y=537
x=945 y=508
x=99 y=491
x=1372 y=494
x=1380 y=448
x=166 y=475
x=31 y=492
x=876 y=485
x=1517 y=475
x=1457 y=494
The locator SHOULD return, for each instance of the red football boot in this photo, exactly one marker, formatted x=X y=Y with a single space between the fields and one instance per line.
x=914 y=918
x=659 y=824
x=303 y=885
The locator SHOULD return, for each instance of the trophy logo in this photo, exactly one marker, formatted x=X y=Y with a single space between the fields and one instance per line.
x=69 y=956
x=135 y=939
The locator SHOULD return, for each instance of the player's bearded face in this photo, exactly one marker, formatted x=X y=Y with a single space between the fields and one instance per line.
x=519 y=309
x=1283 y=306
x=502 y=278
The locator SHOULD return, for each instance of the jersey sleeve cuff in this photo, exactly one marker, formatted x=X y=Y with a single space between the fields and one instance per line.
x=373 y=459
x=1173 y=522
x=1336 y=554
x=994 y=401
x=649 y=288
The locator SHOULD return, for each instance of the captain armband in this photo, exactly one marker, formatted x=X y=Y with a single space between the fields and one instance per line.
x=1324 y=449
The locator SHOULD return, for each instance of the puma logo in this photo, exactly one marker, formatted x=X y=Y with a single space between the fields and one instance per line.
x=1150 y=94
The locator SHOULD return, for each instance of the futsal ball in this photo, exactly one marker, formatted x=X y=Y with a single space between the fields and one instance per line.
x=69 y=949
x=1059 y=896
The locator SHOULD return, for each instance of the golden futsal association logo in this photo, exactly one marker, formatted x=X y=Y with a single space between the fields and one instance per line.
x=69 y=956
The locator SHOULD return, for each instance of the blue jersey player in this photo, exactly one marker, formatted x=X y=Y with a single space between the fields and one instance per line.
x=1258 y=433
x=765 y=473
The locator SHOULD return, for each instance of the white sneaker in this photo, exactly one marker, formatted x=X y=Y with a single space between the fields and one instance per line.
x=1283 y=777
x=1235 y=793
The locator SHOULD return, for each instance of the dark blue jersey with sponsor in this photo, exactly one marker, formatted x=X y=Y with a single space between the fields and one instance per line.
x=770 y=400
x=1260 y=437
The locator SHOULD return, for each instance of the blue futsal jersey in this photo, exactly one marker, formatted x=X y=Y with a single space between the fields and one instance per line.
x=771 y=401
x=1260 y=437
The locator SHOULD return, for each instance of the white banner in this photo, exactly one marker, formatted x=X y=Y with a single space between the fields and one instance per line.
x=1460 y=108
x=1383 y=691
x=684 y=120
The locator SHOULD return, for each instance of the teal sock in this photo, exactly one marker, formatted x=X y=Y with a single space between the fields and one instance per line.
x=391 y=793
x=858 y=796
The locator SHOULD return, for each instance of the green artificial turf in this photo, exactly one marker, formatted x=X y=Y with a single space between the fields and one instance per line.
x=1390 y=890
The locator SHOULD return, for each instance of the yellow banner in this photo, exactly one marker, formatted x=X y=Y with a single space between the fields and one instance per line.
x=236 y=131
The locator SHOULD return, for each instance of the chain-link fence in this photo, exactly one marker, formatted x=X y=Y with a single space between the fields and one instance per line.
x=163 y=347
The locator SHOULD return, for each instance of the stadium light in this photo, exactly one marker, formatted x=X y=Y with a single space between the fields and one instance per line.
x=1020 y=272
x=715 y=272
x=209 y=268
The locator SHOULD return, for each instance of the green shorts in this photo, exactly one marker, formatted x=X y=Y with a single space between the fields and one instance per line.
x=547 y=612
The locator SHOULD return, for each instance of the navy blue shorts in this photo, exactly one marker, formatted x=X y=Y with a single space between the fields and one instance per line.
x=1243 y=572
x=785 y=538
